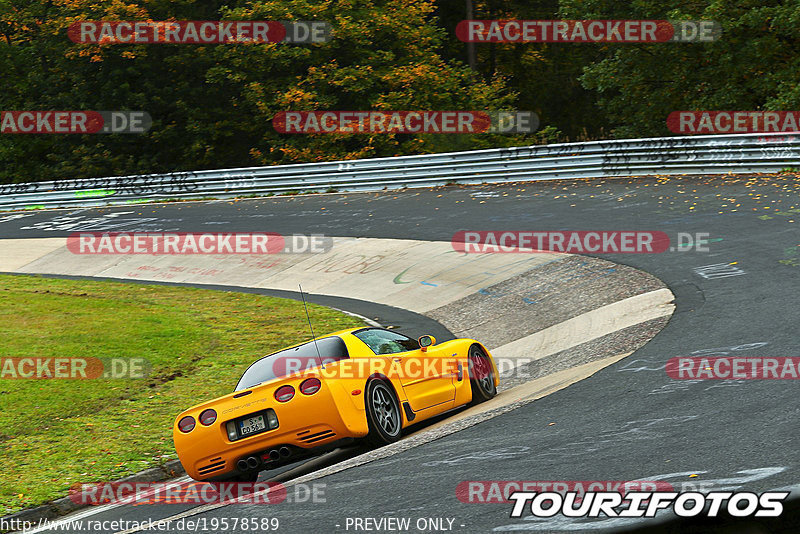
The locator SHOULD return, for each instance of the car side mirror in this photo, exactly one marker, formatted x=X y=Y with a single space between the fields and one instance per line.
x=426 y=341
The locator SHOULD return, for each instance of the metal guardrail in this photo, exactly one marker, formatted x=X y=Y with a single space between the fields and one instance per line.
x=710 y=154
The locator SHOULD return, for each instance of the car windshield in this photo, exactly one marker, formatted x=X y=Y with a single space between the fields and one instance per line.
x=288 y=361
x=386 y=342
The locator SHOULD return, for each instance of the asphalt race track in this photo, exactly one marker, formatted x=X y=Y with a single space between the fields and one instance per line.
x=629 y=421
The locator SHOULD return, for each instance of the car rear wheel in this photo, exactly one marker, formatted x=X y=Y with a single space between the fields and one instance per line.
x=383 y=413
x=481 y=375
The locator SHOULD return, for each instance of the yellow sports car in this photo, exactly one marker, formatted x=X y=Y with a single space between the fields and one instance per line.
x=362 y=383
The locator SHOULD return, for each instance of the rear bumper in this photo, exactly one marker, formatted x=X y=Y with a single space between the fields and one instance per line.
x=307 y=426
x=298 y=454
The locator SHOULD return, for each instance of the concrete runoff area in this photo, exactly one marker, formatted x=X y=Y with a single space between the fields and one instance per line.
x=519 y=305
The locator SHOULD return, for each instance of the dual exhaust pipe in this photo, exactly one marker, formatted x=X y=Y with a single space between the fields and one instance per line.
x=253 y=462
x=248 y=464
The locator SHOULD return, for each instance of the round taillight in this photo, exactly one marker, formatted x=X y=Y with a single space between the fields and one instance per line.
x=310 y=386
x=186 y=424
x=208 y=417
x=284 y=394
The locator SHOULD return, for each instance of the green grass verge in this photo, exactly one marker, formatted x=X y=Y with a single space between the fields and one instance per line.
x=56 y=433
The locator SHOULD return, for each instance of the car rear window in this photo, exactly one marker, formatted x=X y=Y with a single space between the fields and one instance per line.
x=288 y=361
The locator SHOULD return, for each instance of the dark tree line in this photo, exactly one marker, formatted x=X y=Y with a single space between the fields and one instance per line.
x=212 y=104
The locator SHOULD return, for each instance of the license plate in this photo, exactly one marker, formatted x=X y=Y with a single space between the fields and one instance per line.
x=252 y=425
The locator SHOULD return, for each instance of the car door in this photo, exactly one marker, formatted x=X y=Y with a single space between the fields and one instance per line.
x=426 y=378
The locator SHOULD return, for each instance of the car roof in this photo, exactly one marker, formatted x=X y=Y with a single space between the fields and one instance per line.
x=346 y=331
x=338 y=333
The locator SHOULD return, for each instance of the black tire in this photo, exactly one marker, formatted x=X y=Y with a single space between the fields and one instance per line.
x=481 y=375
x=383 y=414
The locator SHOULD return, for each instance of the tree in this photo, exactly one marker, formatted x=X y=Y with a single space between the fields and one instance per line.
x=212 y=104
x=752 y=66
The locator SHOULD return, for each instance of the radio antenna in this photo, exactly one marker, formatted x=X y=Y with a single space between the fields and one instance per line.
x=309 y=323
